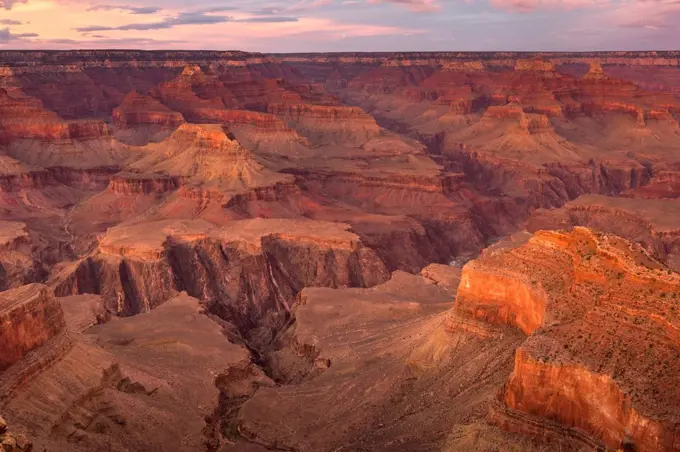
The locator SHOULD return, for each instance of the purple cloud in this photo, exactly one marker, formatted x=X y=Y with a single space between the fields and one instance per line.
x=130 y=9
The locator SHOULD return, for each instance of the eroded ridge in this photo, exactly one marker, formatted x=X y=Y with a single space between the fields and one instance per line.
x=592 y=303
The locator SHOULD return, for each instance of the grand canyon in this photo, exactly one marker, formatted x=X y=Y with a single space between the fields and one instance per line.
x=240 y=252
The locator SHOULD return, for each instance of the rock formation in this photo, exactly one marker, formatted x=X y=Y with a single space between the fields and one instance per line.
x=140 y=110
x=30 y=317
x=11 y=442
x=590 y=302
x=334 y=252
x=264 y=264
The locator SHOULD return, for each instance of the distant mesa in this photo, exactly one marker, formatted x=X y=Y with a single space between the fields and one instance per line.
x=464 y=66
x=537 y=65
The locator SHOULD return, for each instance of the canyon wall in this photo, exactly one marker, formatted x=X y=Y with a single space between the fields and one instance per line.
x=30 y=316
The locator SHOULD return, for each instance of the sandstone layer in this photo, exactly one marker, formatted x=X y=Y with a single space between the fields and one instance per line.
x=603 y=303
x=30 y=317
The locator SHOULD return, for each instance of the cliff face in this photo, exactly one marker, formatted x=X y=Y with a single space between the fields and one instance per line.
x=138 y=110
x=606 y=301
x=327 y=123
x=510 y=299
x=649 y=222
x=565 y=392
x=262 y=263
x=23 y=117
x=30 y=316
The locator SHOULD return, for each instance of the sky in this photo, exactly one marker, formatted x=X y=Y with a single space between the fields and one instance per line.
x=276 y=26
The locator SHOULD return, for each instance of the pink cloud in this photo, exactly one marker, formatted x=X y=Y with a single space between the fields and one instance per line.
x=649 y=14
x=7 y=4
x=413 y=5
x=525 y=6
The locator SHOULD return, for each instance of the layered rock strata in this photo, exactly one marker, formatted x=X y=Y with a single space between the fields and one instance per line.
x=30 y=316
x=592 y=304
x=248 y=271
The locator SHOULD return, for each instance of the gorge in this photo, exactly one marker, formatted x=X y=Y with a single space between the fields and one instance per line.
x=239 y=252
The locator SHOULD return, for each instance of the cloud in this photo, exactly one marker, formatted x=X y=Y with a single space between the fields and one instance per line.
x=186 y=18
x=199 y=17
x=649 y=15
x=418 y=6
x=10 y=22
x=6 y=35
x=127 y=8
x=526 y=6
x=273 y=19
x=8 y=4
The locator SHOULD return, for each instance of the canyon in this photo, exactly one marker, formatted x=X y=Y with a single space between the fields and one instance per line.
x=238 y=252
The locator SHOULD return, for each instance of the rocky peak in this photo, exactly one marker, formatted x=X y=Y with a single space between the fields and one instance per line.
x=595 y=71
x=191 y=69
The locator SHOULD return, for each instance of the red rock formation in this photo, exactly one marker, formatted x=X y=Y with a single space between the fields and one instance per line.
x=127 y=184
x=30 y=316
x=427 y=157
x=138 y=110
x=534 y=65
x=208 y=157
x=258 y=120
x=327 y=123
x=17 y=254
x=23 y=117
x=268 y=261
x=508 y=298
x=603 y=301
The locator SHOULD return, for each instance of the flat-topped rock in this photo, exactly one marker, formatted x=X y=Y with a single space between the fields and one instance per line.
x=148 y=240
x=534 y=65
x=207 y=155
x=263 y=263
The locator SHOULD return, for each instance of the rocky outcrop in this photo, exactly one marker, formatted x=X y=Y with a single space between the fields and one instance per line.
x=503 y=296
x=603 y=301
x=23 y=117
x=248 y=272
x=13 y=442
x=327 y=123
x=206 y=156
x=595 y=71
x=140 y=110
x=19 y=262
x=30 y=316
x=129 y=184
